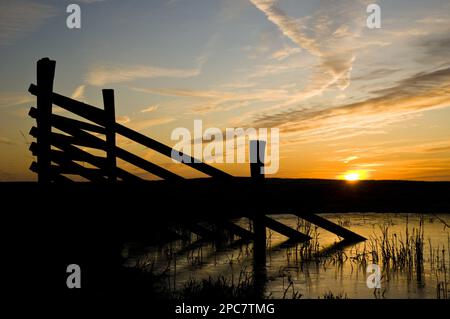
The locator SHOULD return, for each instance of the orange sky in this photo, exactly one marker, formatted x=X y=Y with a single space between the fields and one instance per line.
x=372 y=103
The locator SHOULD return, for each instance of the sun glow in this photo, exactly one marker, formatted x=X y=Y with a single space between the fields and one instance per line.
x=353 y=176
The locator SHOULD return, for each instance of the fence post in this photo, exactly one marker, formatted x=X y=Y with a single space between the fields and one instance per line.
x=45 y=75
x=257 y=151
x=110 y=121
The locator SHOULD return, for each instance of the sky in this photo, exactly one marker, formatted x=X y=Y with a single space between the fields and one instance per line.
x=348 y=100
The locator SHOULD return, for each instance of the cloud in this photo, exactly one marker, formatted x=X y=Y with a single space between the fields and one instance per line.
x=151 y=108
x=438 y=149
x=329 y=35
x=436 y=48
x=436 y=19
x=102 y=75
x=405 y=99
x=376 y=74
x=349 y=159
x=5 y=140
x=419 y=83
x=287 y=25
x=277 y=68
x=78 y=94
x=217 y=100
x=144 y=124
x=106 y=74
x=8 y=99
x=187 y=92
x=284 y=53
x=379 y=152
x=19 y=18
x=122 y=119
x=402 y=158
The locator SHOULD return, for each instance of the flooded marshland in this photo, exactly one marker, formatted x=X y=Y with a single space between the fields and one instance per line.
x=411 y=250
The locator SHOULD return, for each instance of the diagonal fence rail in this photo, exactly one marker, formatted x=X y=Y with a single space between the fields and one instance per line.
x=59 y=155
x=85 y=134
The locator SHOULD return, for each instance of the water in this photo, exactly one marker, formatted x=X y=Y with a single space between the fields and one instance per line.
x=341 y=272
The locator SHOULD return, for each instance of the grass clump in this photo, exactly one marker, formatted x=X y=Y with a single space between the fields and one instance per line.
x=217 y=288
x=330 y=295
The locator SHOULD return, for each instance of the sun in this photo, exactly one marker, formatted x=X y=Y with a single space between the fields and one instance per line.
x=352 y=177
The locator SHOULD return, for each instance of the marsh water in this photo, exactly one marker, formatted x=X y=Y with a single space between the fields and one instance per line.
x=412 y=251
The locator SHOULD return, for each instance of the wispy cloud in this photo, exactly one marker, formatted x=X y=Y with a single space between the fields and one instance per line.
x=218 y=100
x=379 y=151
x=103 y=75
x=410 y=96
x=287 y=25
x=8 y=99
x=436 y=48
x=78 y=94
x=285 y=52
x=439 y=149
x=144 y=124
x=19 y=18
x=405 y=159
x=349 y=159
x=6 y=141
x=329 y=39
x=329 y=35
x=149 y=109
x=376 y=74
x=123 y=119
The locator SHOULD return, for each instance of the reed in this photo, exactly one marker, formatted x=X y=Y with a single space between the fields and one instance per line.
x=396 y=252
x=330 y=295
x=217 y=288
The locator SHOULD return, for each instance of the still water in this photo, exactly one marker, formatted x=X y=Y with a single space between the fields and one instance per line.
x=412 y=251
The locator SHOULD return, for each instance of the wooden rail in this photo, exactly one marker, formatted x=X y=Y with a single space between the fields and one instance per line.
x=97 y=116
x=62 y=154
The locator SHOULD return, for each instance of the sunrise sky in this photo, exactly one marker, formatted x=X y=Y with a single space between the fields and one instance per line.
x=347 y=99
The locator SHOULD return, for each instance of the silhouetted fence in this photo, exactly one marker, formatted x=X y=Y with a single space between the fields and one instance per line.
x=60 y=154
x=53 y=165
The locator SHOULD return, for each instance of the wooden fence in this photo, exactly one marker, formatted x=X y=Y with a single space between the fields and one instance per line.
x=60 y=154
x=53 y=164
